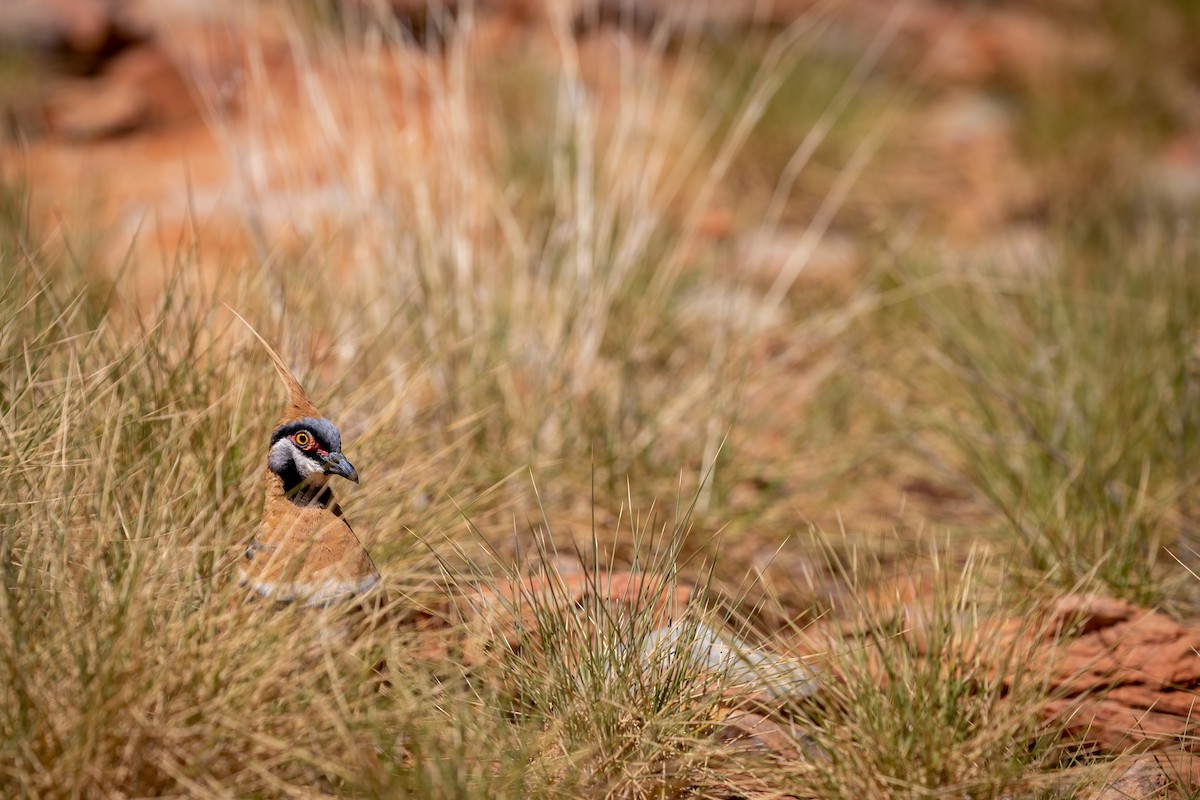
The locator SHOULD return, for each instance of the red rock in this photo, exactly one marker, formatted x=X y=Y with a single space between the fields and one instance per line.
x=150 y=71
x=1122 y=676
x=138 y=87
x=78 y=26
x=96 y=110
x=1125 y=676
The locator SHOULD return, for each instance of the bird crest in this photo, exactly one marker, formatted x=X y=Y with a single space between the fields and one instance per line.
x=299 y=405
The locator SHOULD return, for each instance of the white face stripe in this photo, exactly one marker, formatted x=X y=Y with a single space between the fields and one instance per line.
x=284 y=451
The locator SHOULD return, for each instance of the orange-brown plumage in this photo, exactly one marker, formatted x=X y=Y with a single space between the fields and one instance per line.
x=305 y=553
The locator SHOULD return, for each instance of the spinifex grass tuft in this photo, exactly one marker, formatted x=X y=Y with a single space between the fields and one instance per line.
x=923 y=698
x=1070 y=393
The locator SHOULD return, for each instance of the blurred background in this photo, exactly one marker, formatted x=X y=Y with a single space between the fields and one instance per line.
x=999 y=115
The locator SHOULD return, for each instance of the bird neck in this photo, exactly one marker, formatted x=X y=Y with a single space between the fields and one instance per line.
x=289 y=484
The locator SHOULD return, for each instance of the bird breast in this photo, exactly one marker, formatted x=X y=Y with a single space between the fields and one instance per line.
x=308 y=555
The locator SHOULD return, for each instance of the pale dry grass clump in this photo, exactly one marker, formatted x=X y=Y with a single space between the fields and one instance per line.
x=929 y=697
x=131 y=670
x=1069 y=395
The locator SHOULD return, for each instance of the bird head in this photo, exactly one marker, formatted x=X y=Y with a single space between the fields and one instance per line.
x=308 y=449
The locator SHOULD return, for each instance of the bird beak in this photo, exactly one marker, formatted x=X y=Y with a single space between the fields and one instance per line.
x=336 y=464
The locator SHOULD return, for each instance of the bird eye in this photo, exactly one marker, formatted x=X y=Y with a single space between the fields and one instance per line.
x=303 y=440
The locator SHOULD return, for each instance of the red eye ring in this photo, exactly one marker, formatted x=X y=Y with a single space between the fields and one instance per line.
x=304 y=441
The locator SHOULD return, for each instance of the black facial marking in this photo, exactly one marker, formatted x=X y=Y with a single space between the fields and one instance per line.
x=302 y=492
